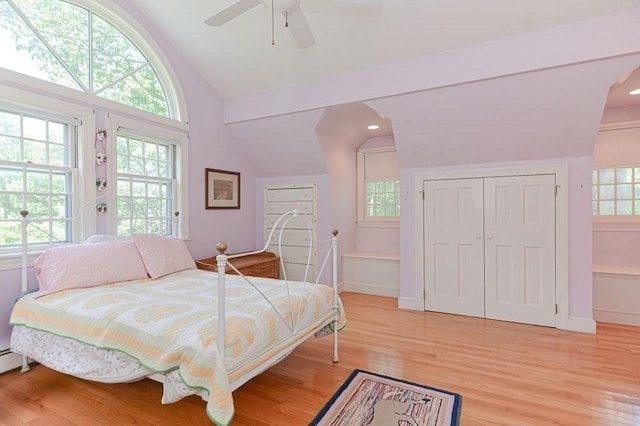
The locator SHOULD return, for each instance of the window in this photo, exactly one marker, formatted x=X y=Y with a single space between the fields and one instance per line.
x=378 y=185
x=616 y=192
x=72 y=46
x=146 y=173
x=40 y=166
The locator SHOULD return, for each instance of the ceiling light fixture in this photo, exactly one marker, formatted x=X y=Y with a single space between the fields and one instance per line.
x=635 y=92
x=373 y=127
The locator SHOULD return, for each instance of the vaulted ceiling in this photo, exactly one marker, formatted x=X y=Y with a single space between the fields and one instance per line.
x=456 y=82
x=238 y=59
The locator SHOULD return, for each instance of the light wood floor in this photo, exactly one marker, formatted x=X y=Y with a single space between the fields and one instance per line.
x=508 y=374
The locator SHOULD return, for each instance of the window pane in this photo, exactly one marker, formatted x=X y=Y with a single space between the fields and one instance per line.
x=637 y=207
x=624 y=175
x=57 y=132
x=607 y=192
x=607 y=176
x=636 y=173
x=624 y=208
x=594 y=177
x=38 y=181
x=11 y=180
x=594 y=207
x=9 y=123
x=594 y=192
x=607 y=208
x=57 y=155
x=624 y=192
x=55 y=46
x=636 y=190
x=28 y=54
x=10 y=149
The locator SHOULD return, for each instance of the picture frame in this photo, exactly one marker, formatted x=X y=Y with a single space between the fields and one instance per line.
x=222 y=189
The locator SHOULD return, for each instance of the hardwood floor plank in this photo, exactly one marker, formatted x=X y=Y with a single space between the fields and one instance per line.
x=507 y=373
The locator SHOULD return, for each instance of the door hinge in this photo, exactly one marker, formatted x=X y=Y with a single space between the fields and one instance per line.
x=422 y=193
x=556 y=309
x=557 y=186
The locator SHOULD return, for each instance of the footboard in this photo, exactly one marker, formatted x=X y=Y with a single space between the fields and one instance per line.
x=295 y=311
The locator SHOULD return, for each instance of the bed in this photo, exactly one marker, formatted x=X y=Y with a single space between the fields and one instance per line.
x=168 y=321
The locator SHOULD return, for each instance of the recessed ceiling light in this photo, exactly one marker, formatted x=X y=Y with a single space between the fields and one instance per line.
x=635 y=92
x=373 y=127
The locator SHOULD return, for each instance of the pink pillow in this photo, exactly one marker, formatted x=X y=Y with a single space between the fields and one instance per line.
x=163 y=255
x=88 y=265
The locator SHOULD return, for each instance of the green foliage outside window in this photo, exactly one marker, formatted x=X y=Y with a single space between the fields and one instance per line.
x=383 y=198
x=66 y=44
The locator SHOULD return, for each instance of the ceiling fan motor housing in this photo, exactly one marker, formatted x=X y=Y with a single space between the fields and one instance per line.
x=282 y=6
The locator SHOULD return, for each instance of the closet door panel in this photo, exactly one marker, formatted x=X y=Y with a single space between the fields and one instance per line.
x=454 y=265
x=520 y=249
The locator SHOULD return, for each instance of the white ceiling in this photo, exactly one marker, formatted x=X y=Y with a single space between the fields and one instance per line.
x=238 y=60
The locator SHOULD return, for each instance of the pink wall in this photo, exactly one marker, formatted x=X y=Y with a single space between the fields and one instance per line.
x=617 y=147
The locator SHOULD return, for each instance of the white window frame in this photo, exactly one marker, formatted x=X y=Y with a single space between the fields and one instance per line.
x=84 y=221
x=362 y=218
x=155 y=131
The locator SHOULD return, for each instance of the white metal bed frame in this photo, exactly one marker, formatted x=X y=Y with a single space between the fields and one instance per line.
x=222 y=263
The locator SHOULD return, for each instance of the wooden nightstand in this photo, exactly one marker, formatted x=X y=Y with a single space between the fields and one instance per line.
x=266 y=265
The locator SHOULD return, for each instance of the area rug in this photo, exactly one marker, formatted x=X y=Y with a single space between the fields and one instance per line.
x=370 y=399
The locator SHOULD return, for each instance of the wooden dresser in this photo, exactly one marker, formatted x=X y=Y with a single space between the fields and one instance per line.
x=265 y=265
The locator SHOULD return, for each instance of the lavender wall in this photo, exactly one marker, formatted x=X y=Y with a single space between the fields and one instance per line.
x=617 y=147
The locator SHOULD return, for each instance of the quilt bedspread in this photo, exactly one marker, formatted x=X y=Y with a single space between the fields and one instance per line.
x=171 y=323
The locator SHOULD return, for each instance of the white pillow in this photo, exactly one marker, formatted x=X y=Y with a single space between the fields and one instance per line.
x=88 y=265
x=163 y=255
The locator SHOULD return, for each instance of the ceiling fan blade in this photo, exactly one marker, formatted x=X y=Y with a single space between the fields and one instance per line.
x=231 y=12
x=300 y=29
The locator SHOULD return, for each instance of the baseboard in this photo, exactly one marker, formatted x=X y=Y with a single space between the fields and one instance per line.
x=407 y=303
x=625 y=318
x=583 y=325
x=9 y=361
x=371 y=289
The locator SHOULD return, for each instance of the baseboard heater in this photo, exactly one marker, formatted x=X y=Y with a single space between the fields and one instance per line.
x=9 y=360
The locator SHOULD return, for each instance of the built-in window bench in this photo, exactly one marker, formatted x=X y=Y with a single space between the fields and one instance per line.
x=616 y=292
x=371 y=273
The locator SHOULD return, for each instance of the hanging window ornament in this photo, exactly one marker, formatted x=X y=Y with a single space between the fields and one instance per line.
x=101 y=184
x=101 y=140
x=101 y=208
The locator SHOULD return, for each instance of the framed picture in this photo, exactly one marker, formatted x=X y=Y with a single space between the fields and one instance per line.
x=222 y=189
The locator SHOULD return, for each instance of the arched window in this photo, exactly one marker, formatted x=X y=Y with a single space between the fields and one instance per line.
x=71 y=45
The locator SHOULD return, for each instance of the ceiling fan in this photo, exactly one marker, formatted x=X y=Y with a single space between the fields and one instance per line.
x=294 y=17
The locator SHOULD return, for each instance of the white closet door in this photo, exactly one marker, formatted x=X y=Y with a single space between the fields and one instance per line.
x=454 y=258
x=520 y=249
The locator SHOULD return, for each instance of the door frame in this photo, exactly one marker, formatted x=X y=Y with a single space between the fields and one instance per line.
x=561 y=224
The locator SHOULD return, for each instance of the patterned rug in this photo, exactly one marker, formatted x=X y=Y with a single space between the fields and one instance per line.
x=369 y=399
